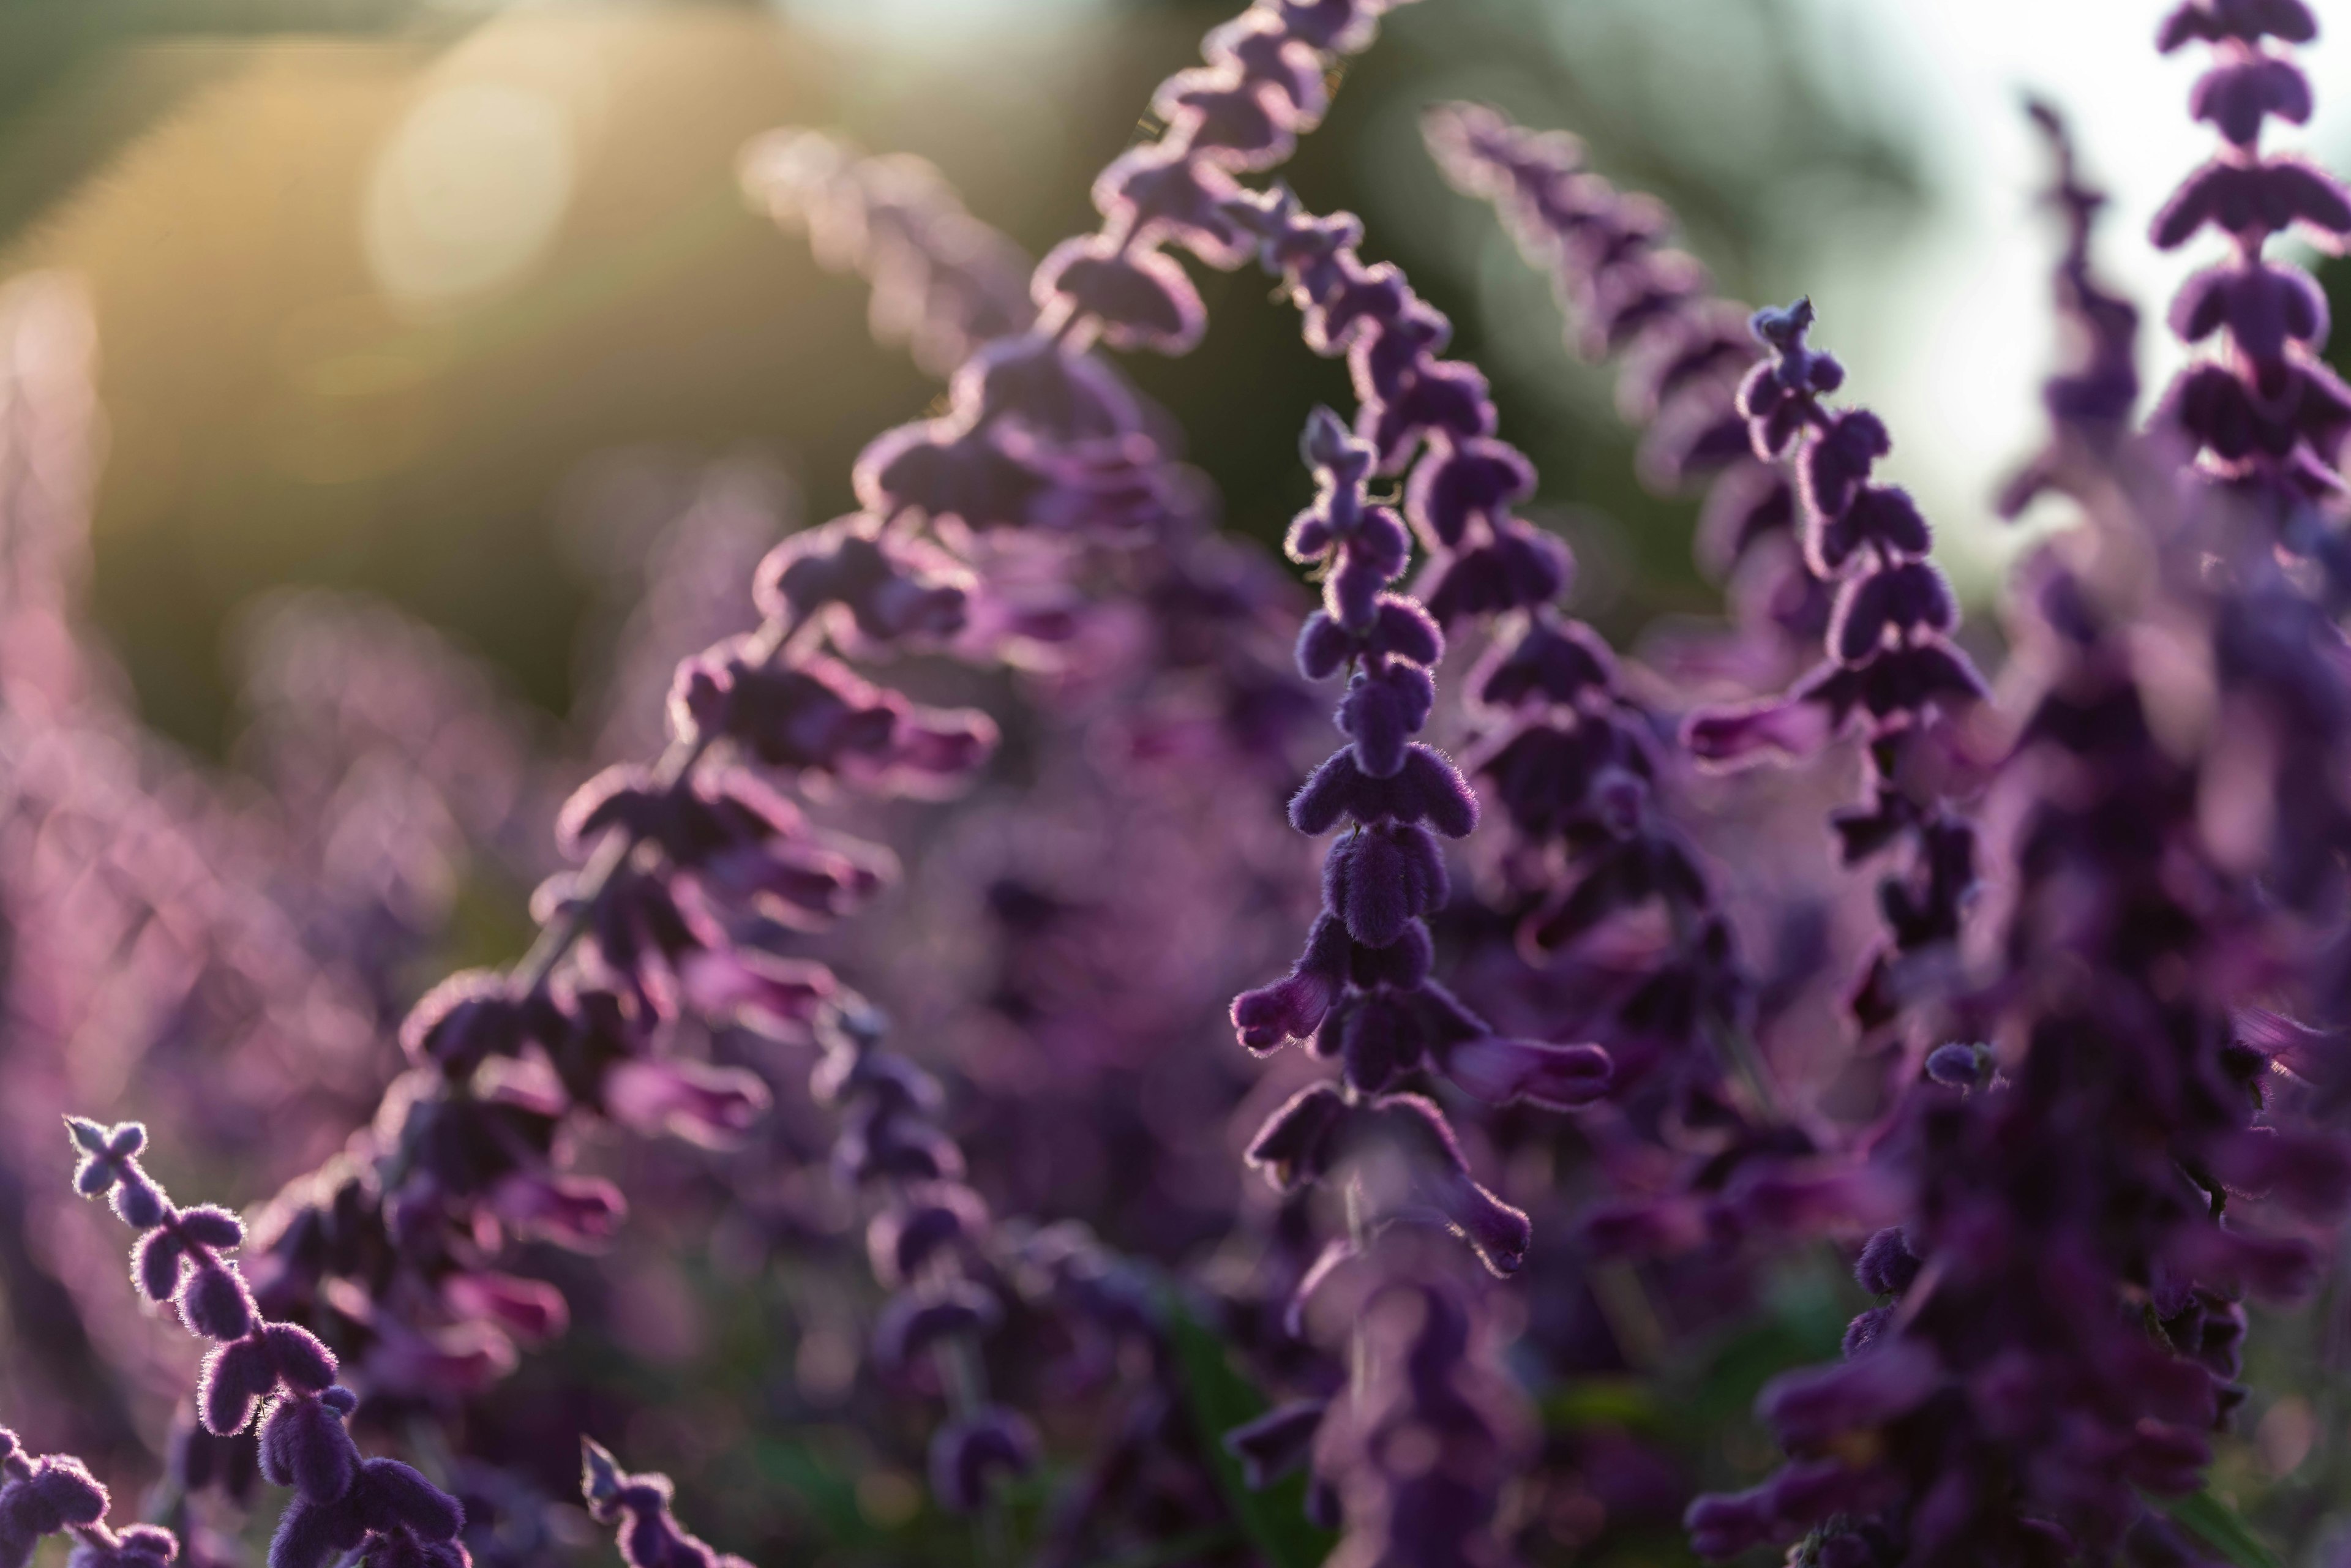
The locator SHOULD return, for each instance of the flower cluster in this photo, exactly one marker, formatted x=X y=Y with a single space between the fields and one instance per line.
x=380 y=1508
x=54 y=1494
x=2109 y=954
x=2093 y=1189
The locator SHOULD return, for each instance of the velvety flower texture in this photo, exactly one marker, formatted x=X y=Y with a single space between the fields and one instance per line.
x=1569 y=756
x=1891 y=671
x=381 y=1509
x=54 y=1494
x=2093 y=1190
x=1362 y=991
x=2266 y=419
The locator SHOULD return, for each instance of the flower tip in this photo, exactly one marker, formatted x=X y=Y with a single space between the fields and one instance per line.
x=1783 y=327
x=599 y=1473
x=87 y=1135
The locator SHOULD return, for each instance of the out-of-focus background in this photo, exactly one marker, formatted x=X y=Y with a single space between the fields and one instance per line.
x=460 y=304
x=388 y=289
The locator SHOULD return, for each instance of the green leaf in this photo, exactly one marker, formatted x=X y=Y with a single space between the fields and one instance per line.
x=1604 y=1402
x=1220 y=1399
x=2221 y=1527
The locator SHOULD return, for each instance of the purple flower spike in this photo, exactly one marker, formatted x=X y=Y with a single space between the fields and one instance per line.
x=2266 y=421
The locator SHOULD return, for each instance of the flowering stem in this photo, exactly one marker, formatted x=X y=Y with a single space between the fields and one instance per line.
x=556 y=937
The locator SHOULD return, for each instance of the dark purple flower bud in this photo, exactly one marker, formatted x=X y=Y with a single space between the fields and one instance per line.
x=1427 y=788
x=390 y=1496
x=137 y=1546
x=880 y=1142
x=1839 y=458
x=1277 y=1442
x=105 y=1153
x=234 y=1377
x=1140 y=298
x=2253 y=201
x=2246 y=21
x=311 y=1534
x=1298 y=1141
x=1382 y=711
x=1445 y=398
x=1886 y=1265
x=1244 y=124
x=1161 y=192
x=1499 y=1071
x=305 y=1446
x=1808 y=1409
x=2235 y=96
x=1479 y=479
x=967 y=1455
x=1896 y=686
x=649 y=1537
x=468 y=1019
x=1518 y=568
x=929 y=1221
x=916 y=1322
x=2263 y=307
x=891 y=591
x=404 y=1551
x=1881 y=609
x=1294 y=1007
x=1880 y=515
x=155 y=1264
x=1959 y=1066
x=1257 y=44
x=56 y=1492
x=1377 y=1035
x=1548 y=661
x=1334 y=27
x=215 y=1303
x=812 y=714
x=296 y=1358
x=1379 y=879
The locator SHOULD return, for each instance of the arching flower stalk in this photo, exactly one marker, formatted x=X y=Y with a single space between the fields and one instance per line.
x=690 y=867
x=1681 y=351
x=1892 y=674
x=381 y=1509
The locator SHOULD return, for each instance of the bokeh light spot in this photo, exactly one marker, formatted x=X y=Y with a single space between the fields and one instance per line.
x=468 y=192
